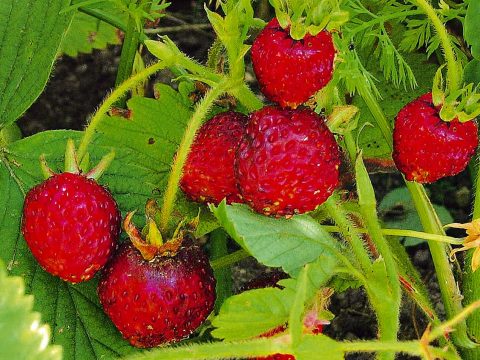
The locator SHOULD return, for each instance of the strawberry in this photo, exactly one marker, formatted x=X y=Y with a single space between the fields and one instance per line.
x=208 y=174
x=71 y=224
x=290 y=71
x=426 y=148
x=157 y=294
x=287 y=162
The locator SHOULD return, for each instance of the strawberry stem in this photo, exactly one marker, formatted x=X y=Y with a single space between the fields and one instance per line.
x=179 y=161
x=454 y=72
x=110 y=100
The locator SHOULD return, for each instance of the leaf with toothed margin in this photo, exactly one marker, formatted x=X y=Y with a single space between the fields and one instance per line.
x=286 y=243
x=30 y=34
x=23 y=335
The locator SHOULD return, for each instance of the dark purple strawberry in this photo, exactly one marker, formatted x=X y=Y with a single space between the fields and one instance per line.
x=157 y=294
x=291 y=71
x=426 y=148
x=70 y=224
x=208 y=174
x=287 y=162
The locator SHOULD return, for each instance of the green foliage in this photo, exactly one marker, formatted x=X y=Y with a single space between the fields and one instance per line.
x=87 y=33
x=370 y=138
x=255 y=312
x=471 y=73
x=144 y=146
x=472 y=19
x=23 y=335
x=286 y=243
x=31 y=32
x=398 y=212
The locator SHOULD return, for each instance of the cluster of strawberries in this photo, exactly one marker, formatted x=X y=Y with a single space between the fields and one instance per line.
x=280 y=160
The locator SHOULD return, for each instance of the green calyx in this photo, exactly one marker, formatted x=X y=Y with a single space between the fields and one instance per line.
x=73 y=166
x=309 y=16
x=150 y=241
x=462 y=104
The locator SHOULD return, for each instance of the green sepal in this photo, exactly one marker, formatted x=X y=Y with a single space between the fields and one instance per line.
x=104 y=163
x=462 y=104
x=71 y=163
x=46 y=170
x=165 y=50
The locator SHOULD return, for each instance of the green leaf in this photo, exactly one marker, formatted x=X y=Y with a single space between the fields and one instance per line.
x=87 y=33
x=471 y=72
x=286 y=243
x=252 y=313
x=255 y=312
x=31 y=32
x=472 y=19
x=9 y=134
x=23 y=336
x=398 y=212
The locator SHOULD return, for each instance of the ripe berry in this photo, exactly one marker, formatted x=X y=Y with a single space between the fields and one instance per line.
x=290 y=71
x=208 y=174
x=287 y=162
x=158 y=301
x=426 y=148
x=71 y=224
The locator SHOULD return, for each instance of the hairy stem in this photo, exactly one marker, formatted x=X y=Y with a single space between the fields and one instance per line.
x=105 y=17
x=454 y=72
x=127 y=57
x=110 y=100
x=405 y=233
x=338 y=214
x=179 y=161
x=229 y=259
x=217 y=350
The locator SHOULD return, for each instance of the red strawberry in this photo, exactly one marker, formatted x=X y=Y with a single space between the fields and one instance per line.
x=158 y=301
x=208 y=173
x=290 y=71
x=426 y=148
x=71 y=224
x=287 y=162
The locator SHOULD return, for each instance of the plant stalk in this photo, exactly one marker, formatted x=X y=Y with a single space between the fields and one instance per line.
x=454 y=71
x=336 y=211
x=127 y=57
x=194 y=124
x=110 y=100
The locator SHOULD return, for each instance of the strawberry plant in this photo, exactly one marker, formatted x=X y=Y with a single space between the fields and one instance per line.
x=205 y=170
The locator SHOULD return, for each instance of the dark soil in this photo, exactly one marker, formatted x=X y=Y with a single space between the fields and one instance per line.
x=77 y=87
